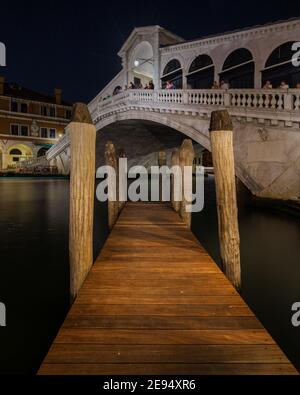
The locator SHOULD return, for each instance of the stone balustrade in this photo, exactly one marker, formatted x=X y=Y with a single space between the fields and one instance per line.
x=273 y=104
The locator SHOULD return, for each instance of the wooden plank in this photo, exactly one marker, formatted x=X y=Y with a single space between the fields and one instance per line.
x=156 y=303
x=91 y=353
x=184 y=310
x=161 y=322
x=151 y=336
x=111 y=299
x=168 y=369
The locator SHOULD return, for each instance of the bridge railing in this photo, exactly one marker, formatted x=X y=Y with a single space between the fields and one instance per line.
x=273 y=99
x=59 y=147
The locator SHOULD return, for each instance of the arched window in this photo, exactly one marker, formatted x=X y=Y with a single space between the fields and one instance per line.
x=279 y=67
x=173 y=73
x=15 y=151
x=201 y=73
x=238 y=69
x=42 y=151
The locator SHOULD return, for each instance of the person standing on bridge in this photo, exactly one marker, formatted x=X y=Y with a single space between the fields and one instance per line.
x=283 y=85
x=215 y=85
x=170 y=85
x=224 y=85
x=151 y=85
x=268 y=85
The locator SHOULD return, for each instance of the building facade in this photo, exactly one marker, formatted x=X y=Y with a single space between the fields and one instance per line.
x=30 y=123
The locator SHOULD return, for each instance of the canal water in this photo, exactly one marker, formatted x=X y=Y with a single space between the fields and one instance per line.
x=34 y=276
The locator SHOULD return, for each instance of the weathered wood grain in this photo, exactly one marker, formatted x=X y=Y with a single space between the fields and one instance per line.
x=156 y=303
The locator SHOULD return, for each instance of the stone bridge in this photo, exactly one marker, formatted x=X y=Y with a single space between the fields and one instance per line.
x=266 y=129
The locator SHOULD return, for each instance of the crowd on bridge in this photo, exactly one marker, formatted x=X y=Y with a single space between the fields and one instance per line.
x=169 y=85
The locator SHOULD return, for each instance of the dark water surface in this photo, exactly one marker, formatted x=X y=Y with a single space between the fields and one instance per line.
x=34 y=276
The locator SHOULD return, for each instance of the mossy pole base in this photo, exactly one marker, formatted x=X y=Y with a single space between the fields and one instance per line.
x=221 y=136
x=82 y=134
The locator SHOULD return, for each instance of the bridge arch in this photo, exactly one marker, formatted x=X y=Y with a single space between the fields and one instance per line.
x=278 y=66
x=197 y=133
x=42 y=151
x=238 y=69
x=173 y=72
x=201 y=72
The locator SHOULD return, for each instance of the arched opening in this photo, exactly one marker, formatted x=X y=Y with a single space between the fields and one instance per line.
x=238 y=69
x=18 y=153
x=279 y=67
x=201 y=73
x=172 y=73
x=42 y=151
x=141 y=65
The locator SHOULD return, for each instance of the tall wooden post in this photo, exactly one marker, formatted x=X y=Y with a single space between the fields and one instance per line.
x=82 y=134
x=221 y=136
x=186 y=158
x=113 y=199
x=162 y=161
x=174 y=162
x=121 y=154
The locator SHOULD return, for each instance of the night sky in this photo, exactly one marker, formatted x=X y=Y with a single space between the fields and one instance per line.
x=74 y=45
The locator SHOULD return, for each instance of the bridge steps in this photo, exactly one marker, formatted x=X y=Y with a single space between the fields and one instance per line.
x=156 y=303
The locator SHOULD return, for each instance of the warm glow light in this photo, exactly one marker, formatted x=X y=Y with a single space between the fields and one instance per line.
x=60 y=135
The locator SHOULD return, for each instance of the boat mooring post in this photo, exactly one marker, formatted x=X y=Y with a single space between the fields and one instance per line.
x=82 y=134
x=186 y=159
x=113 y=185
x=221 y=137
x=175 y=185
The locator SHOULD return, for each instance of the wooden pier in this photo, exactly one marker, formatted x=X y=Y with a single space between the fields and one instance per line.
x=156 y=303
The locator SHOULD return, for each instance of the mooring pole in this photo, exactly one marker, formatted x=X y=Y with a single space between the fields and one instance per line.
x=162 y=161
x=175 y=162
x=221 y=136
x=186 y=158
x=122 y=184
x=82 y=134
x=113 y=187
